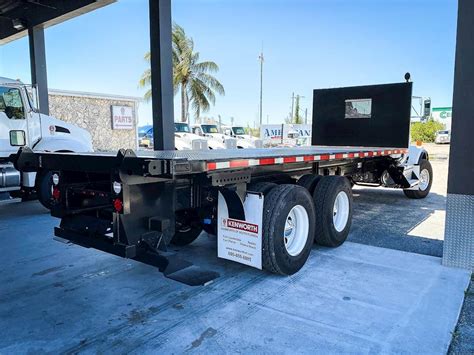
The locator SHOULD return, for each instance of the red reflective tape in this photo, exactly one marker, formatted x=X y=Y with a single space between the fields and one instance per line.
x=289 y=159
x=239 y=163
x=211 y=166
x=308 y=158
x=350 y=155
x=267 y=161
x=371 y=154
x=339 y=156
x=324 y=157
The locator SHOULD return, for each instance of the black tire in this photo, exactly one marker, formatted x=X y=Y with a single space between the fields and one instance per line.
x=309 y=182
x=324 y=198
x=44 y=187
x=417 y=194
x=277 y=205
x=187 y=228
x=262 y=187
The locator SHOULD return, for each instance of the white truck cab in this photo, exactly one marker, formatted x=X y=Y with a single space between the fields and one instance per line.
x=21 y=125
x=185 y=140
x=244 y=140
x=210 y=132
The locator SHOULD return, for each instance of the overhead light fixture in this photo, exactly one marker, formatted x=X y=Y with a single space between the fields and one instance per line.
x=18 y=24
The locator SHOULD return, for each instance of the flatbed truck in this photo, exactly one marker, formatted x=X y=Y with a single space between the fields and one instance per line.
x=135 y=205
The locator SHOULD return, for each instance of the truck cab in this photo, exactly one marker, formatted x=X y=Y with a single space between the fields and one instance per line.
x=210 y=132
x=244 y=140
x=184 y=139
x=21 y=124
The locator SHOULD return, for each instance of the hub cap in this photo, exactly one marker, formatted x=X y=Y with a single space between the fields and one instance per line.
x=424 y=179
x=296 y=230
x=340 y=214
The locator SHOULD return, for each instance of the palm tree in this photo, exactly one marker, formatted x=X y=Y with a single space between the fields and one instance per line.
x=191 y=77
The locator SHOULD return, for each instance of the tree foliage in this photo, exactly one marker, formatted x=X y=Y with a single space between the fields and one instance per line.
x=192 y=78
x=425 y=131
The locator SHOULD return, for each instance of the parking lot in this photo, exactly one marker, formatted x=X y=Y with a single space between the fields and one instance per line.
x=73 y=299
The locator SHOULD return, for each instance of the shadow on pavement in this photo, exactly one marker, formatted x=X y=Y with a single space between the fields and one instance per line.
x=383 y=218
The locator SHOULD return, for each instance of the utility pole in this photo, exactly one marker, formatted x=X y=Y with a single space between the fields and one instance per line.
x=306 y=116
x=261 y=59
x=292 y=106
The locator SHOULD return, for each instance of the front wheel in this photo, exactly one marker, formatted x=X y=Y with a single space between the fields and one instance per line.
x=425 y=181
x=44 y=188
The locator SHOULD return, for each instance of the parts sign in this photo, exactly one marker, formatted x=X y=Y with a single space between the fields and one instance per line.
x=241 y=240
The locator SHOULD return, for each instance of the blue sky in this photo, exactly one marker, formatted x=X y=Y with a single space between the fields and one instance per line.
x=307 y=44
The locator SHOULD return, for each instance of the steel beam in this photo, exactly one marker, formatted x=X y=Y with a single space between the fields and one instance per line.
x=39 y=77
x=161 y=74
x=459 y=231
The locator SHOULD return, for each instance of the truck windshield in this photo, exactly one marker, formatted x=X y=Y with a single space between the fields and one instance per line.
x=238 y=131
x=209 y=128
x=10 y=103
x=181 y=128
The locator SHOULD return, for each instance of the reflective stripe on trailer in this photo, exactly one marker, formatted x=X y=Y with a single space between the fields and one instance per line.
x=243 y=163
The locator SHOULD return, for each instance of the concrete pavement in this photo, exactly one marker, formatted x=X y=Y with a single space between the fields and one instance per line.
x=64 y=298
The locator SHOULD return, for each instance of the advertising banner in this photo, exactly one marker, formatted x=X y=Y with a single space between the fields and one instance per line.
x=241 y=240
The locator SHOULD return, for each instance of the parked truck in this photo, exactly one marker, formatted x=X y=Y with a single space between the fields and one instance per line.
x=244 y=140
x=212 y=134
x=22 y=124
x=266 y=206
x=184 y=139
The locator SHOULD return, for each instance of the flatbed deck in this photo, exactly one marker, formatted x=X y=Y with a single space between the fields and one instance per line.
x=201 y=161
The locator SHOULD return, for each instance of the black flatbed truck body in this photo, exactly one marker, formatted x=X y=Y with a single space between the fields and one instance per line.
x=133 y=204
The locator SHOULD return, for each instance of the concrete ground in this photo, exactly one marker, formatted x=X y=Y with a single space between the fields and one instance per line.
x=386 y=218
x=68 y=299
x=64 y=298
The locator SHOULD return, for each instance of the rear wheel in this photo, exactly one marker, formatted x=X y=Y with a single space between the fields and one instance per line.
x=44 y=188
x=288 y=227
x=333 y=205
x=426 y=180
x=187 y=228
x=309 y=182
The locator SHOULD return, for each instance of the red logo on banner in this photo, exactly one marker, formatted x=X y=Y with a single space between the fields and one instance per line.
x=241 y=225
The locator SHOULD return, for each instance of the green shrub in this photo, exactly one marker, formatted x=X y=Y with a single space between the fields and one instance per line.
x=425 y=131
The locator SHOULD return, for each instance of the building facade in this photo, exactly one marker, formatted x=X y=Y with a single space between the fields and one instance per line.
x=110 y=119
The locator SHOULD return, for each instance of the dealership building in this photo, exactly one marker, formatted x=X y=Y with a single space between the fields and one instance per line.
x=110 y=119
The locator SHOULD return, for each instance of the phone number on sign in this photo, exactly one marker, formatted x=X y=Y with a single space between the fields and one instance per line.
x=240 y=256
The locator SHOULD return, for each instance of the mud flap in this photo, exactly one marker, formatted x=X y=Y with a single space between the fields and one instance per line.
x=239 y=228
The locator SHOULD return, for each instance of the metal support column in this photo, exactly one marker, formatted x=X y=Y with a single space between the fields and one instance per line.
x=459 y=232
x=161 y=74
x=39 y=77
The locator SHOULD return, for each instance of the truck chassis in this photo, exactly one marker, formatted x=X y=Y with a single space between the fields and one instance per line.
x=135 y=206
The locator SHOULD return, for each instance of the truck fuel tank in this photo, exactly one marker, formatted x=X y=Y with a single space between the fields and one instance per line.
x=9 y=176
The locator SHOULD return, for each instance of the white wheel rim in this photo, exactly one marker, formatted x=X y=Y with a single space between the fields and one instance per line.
x=424 y=179
x=296 y=230
x=340 y=214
